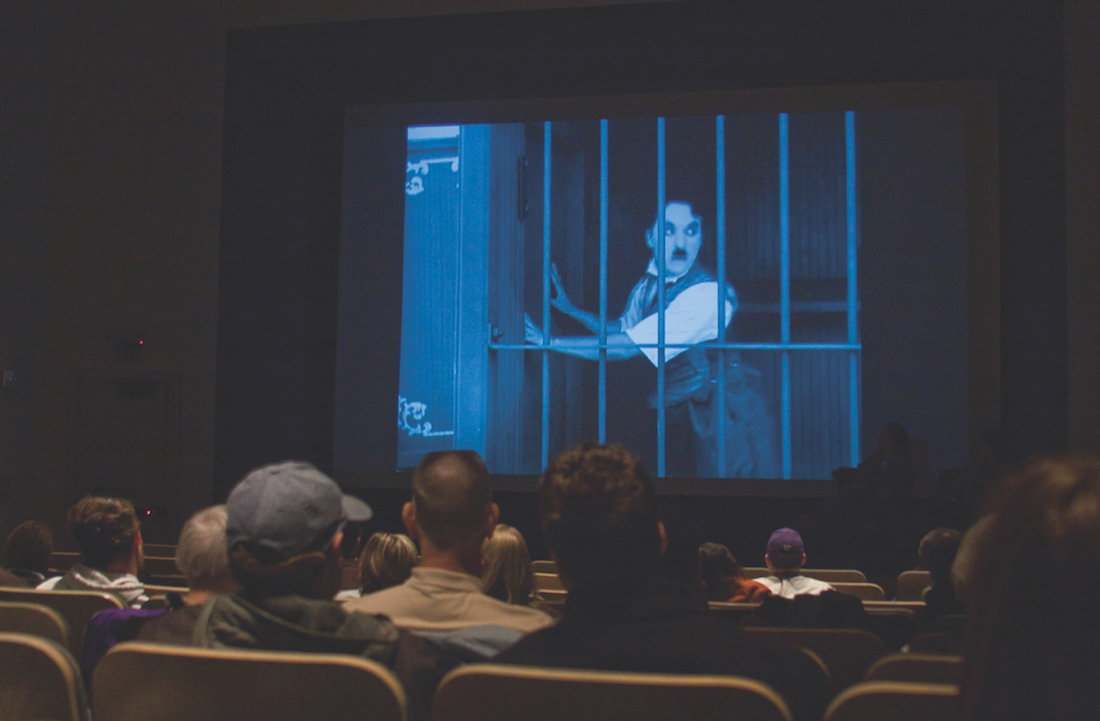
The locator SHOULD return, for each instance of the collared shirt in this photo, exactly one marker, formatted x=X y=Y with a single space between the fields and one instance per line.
x=433 y=599
x=691 y=317
x=794 y=586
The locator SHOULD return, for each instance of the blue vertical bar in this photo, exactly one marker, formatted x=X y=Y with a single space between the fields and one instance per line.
x=603 y=281
x=546 y=295
x=785 y=287
x=853 y=308
x=659 y=252
x=720 y=241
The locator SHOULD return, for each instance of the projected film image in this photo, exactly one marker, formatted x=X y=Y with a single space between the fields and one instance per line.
x=684 y=286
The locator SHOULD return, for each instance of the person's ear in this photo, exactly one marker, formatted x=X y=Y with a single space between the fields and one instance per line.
x=803 y=561
x=651 y=237
x=337 y=540
x=664 y=537
x=408 y=516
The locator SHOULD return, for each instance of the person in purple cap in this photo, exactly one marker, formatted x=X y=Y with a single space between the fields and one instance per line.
x=785 y=558
x=283 y=533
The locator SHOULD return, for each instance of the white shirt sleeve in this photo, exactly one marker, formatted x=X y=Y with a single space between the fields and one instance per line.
x=691 y=318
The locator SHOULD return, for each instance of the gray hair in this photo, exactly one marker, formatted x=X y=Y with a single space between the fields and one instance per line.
x=201 y=554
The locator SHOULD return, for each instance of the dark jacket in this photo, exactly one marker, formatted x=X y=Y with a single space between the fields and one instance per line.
x=655 y=632
x=293 y=623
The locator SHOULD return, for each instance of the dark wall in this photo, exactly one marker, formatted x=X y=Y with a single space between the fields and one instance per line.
x=287 y=89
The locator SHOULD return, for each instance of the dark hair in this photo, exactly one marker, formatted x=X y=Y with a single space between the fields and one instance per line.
x=716 y=563
x=1032 y=589
x=28 y=547
x=267 y=575
x=104 y=529
x=452 y=495
x=937 y=552
x=599 y=516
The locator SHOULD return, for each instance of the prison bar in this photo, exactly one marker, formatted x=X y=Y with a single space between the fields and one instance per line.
x=660 y=254
x=546 y=295
x=853 y=325
x=603 y=282
x=785 y=287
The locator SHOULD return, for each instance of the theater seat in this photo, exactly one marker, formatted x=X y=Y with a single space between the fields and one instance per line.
x=495 y=692
x=76 y=607
x=847 y=652
x=34 y=619
x=150 y=682
x=895 y=701
x=39 y=679
x=917 y=667
x=911 y=585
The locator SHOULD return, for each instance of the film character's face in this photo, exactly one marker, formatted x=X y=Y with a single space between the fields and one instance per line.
x=683 y=236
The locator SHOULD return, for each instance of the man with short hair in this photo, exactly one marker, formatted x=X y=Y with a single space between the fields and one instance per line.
x=283 y=533
x=451 y=513
x=785 y=558
x=109 y=537
x=599 y=516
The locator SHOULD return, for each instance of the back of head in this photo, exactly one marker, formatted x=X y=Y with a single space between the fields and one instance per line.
x=937 y=552
x=28 y=547
x=1032 y=588
x=717 y=565
x=387 y=560
x=201 y=554
x=104 y=529
x=282 y=529
x=507 y=576
x=785 y=550
x=599 y=516
x=452 y=497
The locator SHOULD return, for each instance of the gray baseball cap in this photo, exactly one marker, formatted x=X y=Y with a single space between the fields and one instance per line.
x=286 y=507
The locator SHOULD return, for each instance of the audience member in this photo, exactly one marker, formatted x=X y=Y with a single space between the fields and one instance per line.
x=1030 y=577
x=937 y=553
x=109 y=538
x=451 y=514
x=724 y=578
x=785 y=558
x=387 y=560
x=26 y=551
x=507 y=576
x=599 y=515
x=204 y=561
x=888 y=471
x=283 y=533
x=202 y=558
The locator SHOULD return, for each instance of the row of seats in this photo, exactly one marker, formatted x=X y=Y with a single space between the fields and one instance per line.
x=911 y=585
x=149 y=682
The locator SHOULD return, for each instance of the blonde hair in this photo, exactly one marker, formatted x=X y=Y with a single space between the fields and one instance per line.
x=387 y=559
x=507 y=574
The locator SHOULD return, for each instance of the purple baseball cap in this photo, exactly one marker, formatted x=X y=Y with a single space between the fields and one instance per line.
x=787 y=542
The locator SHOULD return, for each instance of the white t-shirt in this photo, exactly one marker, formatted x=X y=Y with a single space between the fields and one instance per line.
x=794 y=586
x=691 y=318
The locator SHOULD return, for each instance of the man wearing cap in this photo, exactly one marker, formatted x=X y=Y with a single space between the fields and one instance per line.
x=451 y=513
x=785 y=557
x=283 y=532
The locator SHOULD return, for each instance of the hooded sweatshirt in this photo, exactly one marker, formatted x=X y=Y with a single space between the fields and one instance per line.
x=125 y=586
x=293 y=623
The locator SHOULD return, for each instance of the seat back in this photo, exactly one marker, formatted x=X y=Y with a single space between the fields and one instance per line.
x=828 y=575
x=39 y=679
x=76 y=607
x=911 y=585
x=862 y=591
x=36 y=620
x=548 y=582
x=62 y=561
x=544 y=566
x=161 y=566
x=152 y=682
x=494 y=692
x=917 y=668
x=847 y=652
x=894 y=701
